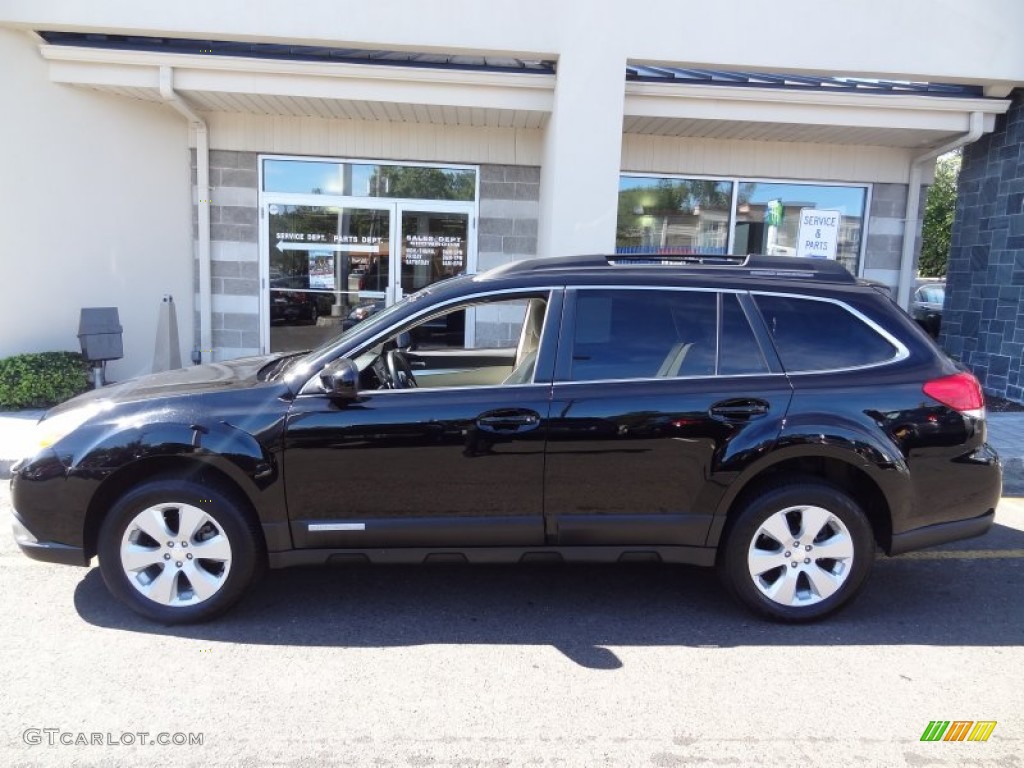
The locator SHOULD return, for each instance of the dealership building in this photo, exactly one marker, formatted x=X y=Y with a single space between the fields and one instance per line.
x=277 y=167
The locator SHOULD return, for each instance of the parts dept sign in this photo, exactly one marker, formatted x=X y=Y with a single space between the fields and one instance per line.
x=819 y=233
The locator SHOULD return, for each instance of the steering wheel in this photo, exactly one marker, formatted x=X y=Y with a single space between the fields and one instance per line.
x=399 y=371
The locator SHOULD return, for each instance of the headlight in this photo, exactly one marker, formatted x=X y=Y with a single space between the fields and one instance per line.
x=56 y=428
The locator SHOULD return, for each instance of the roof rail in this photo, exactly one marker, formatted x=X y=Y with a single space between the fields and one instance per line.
x=753 y=264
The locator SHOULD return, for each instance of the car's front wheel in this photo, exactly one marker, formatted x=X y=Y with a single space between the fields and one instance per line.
x=797 y=551
x=179 y=551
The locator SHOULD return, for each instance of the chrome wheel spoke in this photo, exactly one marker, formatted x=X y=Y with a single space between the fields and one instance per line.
x=164 y=588
x=812 y=521
x=784 y=589
x=137 y=558
x=776 y=527
x=215 y=548
x=822 y=582
x=190 y=520
x=762 y=561
x=838 y=547
x=204 y=583
x=153 y=523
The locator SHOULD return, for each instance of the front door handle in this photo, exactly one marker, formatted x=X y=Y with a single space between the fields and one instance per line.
x=508 y=421
x=740 y=409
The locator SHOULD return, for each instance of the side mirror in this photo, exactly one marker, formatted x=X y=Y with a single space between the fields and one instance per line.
x=341 y=379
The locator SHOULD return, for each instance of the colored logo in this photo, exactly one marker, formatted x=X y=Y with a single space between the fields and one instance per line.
x=958 y=730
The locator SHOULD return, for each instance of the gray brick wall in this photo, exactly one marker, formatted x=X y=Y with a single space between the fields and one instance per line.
x=885 y=226
x=234 y=268
x=983 y=319
x=509 y=208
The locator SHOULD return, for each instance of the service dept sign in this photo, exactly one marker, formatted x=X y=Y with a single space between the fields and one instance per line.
x=819 y=233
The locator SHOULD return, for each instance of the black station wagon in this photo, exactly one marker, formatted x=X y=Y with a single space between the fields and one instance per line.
x=769 y=416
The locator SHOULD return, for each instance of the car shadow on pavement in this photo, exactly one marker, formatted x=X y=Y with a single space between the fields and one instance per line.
x=586 y=610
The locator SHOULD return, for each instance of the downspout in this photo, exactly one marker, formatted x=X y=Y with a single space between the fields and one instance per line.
x=914 y=202
x=172 y=98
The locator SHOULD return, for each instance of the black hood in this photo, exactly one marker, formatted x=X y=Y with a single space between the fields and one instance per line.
x=211 y=377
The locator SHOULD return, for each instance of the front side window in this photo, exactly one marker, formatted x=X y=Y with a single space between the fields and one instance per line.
x=643 y=334
x=481 y=343
x=812 y=335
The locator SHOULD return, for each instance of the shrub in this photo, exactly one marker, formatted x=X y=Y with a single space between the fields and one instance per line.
x=41 y=379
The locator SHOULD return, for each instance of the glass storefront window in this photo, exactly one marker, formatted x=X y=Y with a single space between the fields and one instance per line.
x=673 y=216
x=313 y=177
x=768 y=217
x=670 y=215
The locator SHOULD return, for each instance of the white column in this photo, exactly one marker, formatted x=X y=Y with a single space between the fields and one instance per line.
x=579 y=177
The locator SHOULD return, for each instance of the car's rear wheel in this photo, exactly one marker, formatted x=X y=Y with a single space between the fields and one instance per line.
x=797 y=551
x=178 y=551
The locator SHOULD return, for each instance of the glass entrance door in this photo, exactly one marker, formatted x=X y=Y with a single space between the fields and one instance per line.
x=332 y=263
x=434 y=245
x=324 y=262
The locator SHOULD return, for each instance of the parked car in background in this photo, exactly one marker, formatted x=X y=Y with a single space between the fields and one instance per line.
x=926 y=306
x=292 y=303
x=768 y=416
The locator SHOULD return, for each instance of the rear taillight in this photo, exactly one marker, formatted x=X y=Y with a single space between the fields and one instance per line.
x=961 y=392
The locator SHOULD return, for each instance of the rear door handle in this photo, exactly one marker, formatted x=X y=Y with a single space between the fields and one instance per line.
x=739 y=410
x=511 y=420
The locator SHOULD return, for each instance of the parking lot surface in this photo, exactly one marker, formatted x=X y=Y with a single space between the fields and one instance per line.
x=507 y=666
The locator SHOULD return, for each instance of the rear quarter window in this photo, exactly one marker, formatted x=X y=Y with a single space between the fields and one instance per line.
x=815 y=335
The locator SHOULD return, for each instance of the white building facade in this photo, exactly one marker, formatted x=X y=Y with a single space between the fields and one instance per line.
x=274 y=167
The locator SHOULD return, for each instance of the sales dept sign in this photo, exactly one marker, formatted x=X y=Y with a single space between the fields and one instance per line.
x=819 y=233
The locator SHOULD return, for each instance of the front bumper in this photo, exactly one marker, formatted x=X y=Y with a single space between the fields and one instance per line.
x=47 y=551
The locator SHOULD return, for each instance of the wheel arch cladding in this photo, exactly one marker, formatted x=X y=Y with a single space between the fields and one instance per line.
x=175 y=467
x=853 y=480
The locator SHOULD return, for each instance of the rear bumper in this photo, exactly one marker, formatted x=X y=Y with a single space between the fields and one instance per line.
x=47 y=551
x=941 y=533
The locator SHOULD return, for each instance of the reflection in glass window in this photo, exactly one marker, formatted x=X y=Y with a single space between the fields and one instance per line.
x=687 y=216
x=312 y=177
x=673 y=216
x=768 y=217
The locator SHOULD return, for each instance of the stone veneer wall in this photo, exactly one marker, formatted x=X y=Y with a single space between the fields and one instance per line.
x=506 y=230
x=983 y=319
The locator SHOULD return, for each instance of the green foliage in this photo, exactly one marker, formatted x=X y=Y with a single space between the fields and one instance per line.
x=41 y=379
x=939 y=210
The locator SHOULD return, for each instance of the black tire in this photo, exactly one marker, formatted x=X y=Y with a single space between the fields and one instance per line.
x=225 y=516
x=746 y=537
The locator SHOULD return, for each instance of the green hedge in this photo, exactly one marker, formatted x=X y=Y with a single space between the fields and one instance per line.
x=41 y=379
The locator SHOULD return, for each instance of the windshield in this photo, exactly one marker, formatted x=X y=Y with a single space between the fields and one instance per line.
x=933 y=294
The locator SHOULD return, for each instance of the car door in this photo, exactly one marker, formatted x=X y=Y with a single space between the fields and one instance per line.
x=660 y=396
x=458 y=465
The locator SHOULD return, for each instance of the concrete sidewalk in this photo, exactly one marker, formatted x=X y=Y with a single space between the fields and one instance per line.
x=1005 y=433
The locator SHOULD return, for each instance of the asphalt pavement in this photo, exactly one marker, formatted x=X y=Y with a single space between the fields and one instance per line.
x=537 y=665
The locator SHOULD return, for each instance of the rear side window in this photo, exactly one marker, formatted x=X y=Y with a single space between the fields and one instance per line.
x=643 y=334
x=820 y=336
